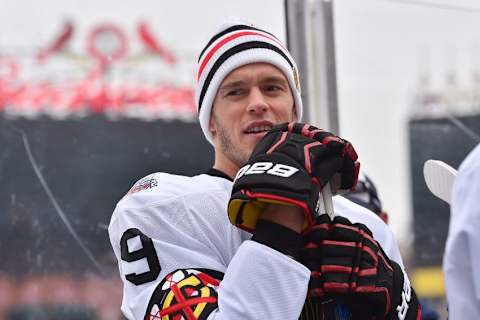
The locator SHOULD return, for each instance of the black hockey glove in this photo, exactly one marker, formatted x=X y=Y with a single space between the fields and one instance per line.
x=350 y=267
x=338 y=157
x=290 y=166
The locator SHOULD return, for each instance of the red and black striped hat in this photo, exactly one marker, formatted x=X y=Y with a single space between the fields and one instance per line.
x=236 y=45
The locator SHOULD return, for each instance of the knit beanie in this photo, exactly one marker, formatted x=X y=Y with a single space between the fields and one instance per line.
x=236 y=45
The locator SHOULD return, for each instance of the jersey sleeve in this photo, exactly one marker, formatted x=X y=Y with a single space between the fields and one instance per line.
x=177 y=258
x=461 y=251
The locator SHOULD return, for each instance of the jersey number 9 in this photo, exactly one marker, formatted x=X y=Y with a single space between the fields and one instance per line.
x=147 y=251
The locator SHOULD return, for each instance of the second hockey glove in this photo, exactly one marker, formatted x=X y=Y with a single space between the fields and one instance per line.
x=290 y=166
x=349 y=266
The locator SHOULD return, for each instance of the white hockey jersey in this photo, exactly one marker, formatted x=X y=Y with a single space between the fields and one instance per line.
x=462 y=255
x=180 y=258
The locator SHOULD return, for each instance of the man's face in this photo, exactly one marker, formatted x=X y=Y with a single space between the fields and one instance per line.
x=250 y=100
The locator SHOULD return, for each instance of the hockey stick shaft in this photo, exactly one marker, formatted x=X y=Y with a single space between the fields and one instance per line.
x=326 y=203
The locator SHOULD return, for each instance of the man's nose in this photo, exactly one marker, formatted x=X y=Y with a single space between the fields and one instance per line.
x=256 y=101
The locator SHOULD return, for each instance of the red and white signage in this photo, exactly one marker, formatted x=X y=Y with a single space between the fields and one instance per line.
x=107 y=78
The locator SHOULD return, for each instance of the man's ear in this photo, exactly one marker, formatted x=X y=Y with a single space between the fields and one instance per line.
x=295 y=116
x=212 y=125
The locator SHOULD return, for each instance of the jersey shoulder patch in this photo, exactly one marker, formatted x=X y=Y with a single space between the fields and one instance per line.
x=160 y=182
x=172 y=185
x=147 y=182
x=185 y=294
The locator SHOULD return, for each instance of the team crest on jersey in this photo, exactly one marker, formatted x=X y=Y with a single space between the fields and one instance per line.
x=185 y=294
x=145 y=183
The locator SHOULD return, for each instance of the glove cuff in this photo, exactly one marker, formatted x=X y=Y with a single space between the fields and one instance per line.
x=405 y=304
x=278 y=237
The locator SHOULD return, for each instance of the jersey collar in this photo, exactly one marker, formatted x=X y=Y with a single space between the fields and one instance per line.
x=217 y=173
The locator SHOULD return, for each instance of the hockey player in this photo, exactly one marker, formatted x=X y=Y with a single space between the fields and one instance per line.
x=243 y=241
x=365 y=194
x=462 y=282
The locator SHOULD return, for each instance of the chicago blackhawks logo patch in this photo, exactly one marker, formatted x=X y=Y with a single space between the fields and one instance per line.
x=185 y=294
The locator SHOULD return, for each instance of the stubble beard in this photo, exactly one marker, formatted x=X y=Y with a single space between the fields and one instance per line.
x=230 y=149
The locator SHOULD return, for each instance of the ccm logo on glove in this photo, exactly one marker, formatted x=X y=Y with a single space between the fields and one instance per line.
x=281 y=170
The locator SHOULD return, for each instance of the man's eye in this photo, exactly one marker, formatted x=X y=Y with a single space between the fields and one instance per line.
x=273 y=87
x=233 y=92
